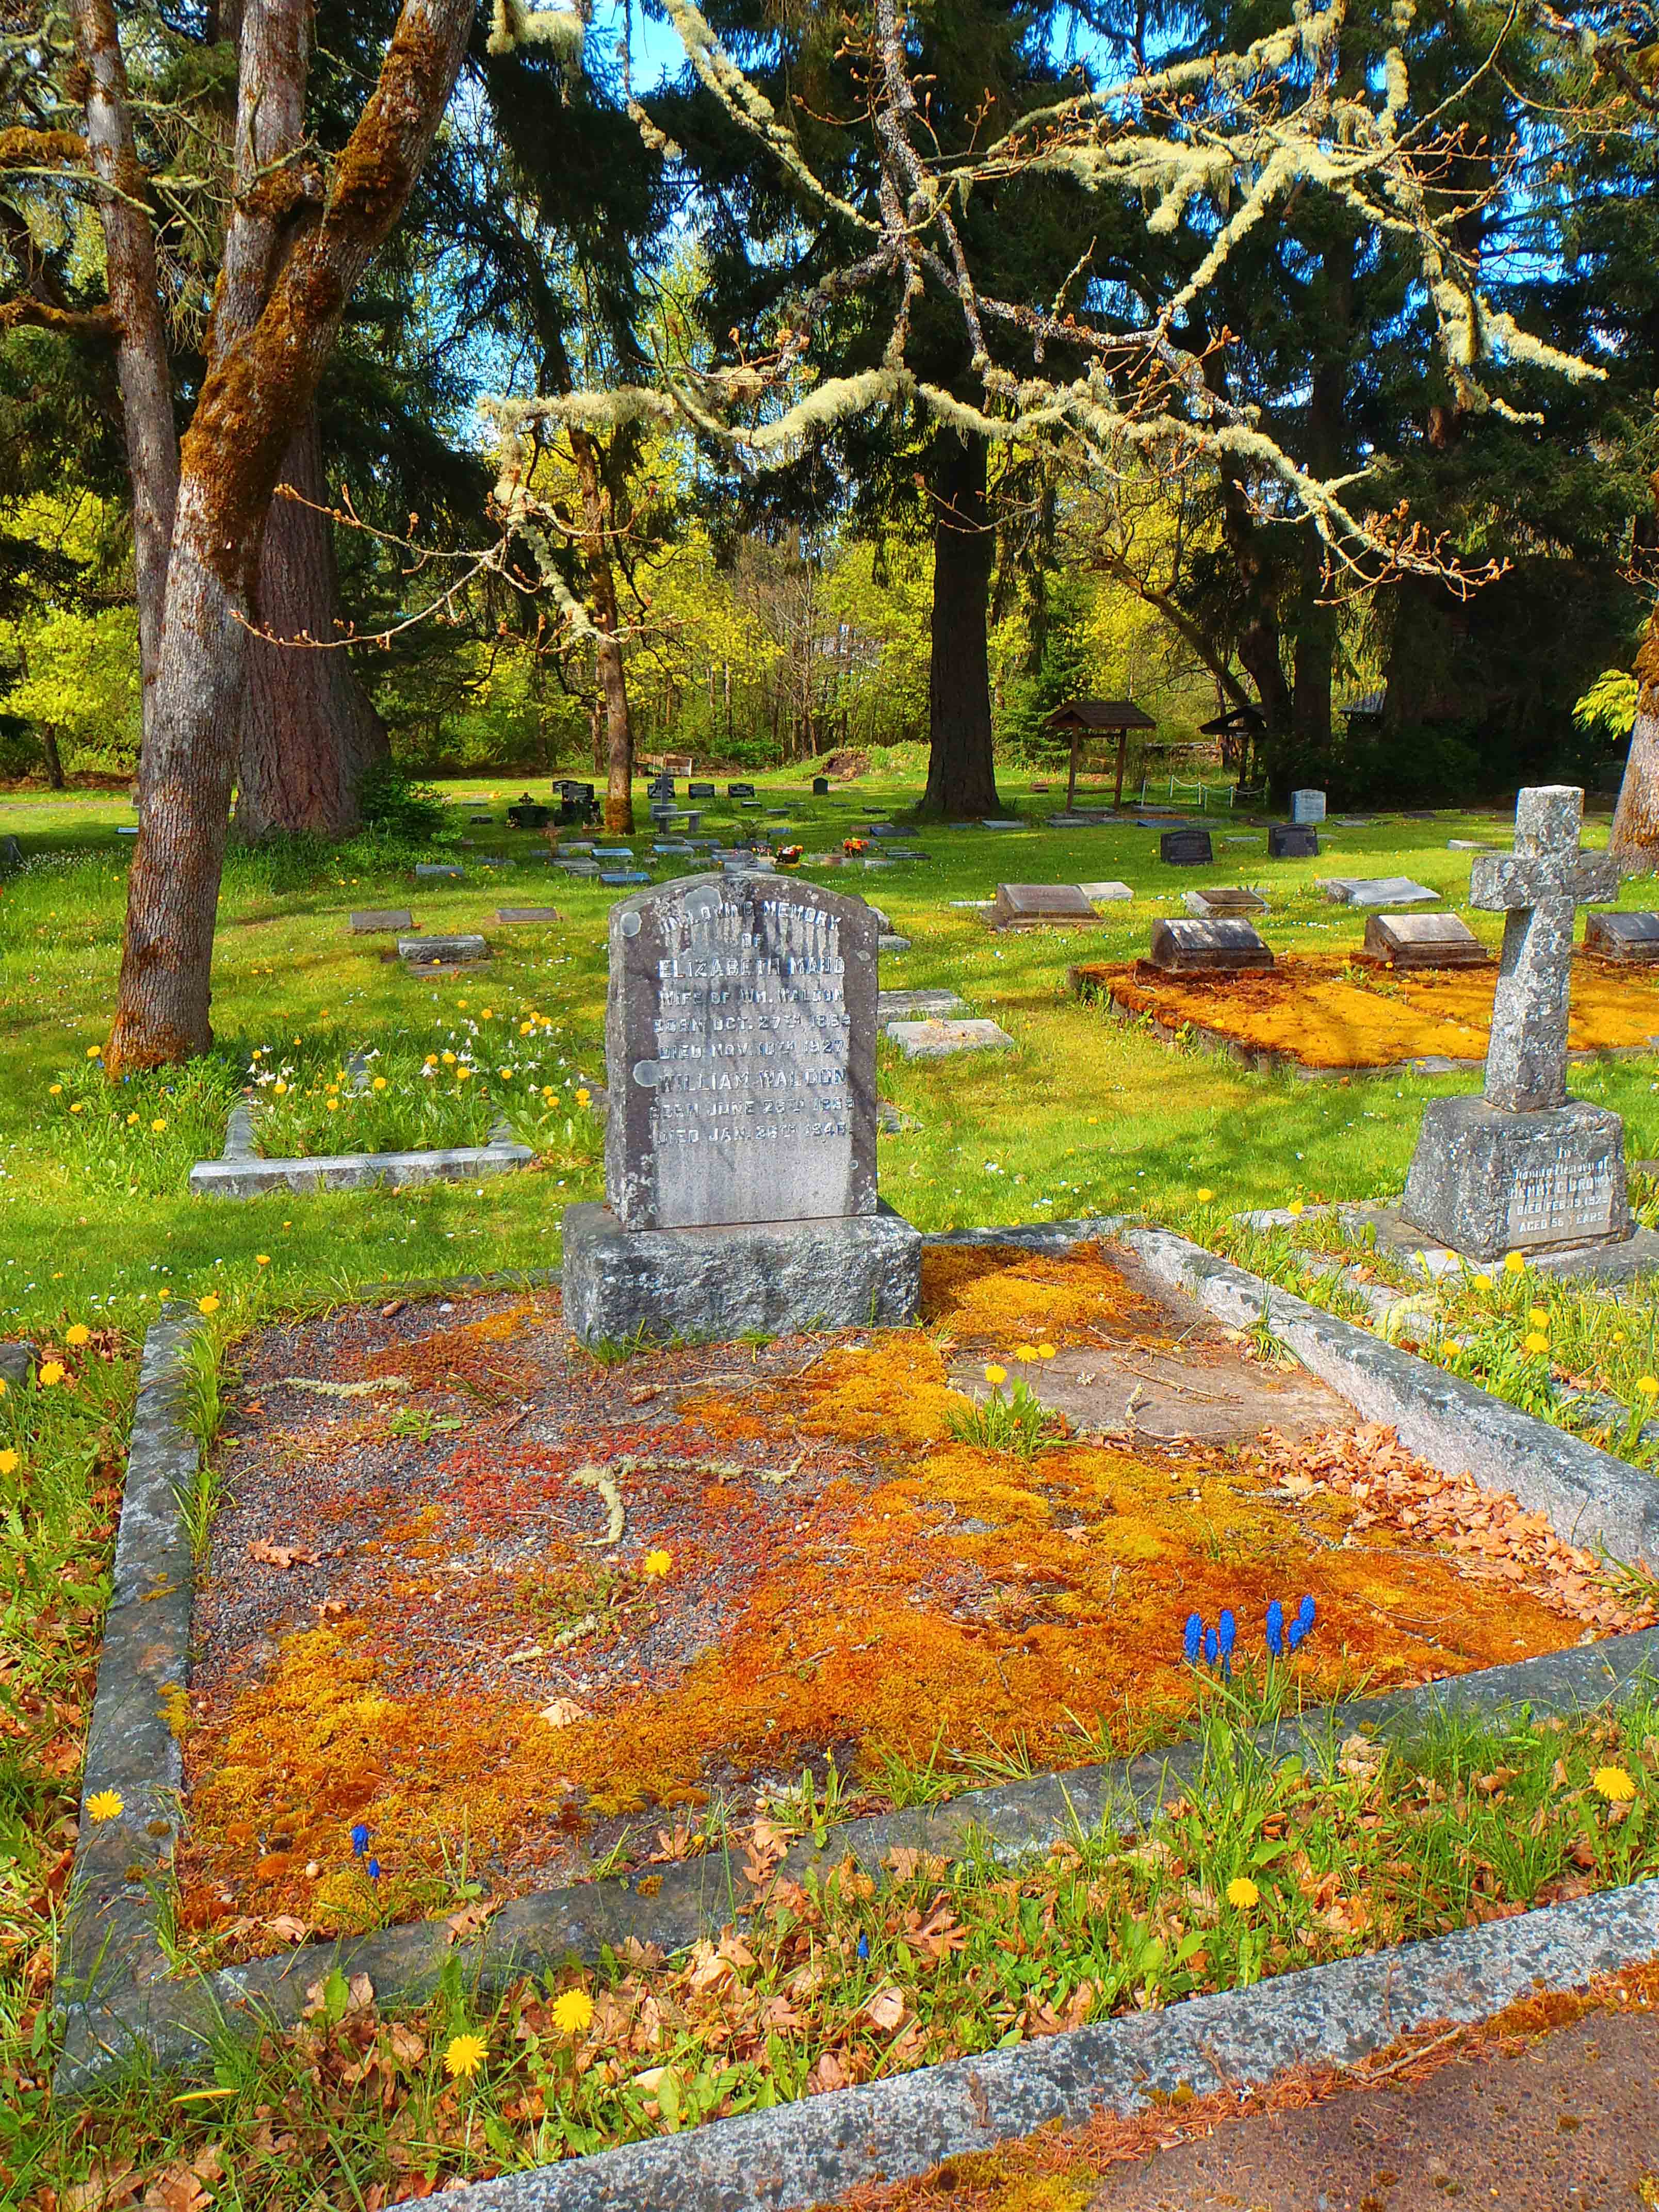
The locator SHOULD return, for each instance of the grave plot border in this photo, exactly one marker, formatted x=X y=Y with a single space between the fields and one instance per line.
x=1266 y=1060
x=115 y=1999
x=241 y=1172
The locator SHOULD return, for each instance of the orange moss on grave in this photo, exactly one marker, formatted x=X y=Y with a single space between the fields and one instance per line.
x=1321 y=1012
x=999 y=1295
x=969 y=1600
x=473 y=1356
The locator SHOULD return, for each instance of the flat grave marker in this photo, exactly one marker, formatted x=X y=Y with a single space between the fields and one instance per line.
x=1186 y=848
x=1295 y=841
x=1207 y=948
x=1376 y=891
x=1631 y=939
x=1106 y=894
x=458 y=951
x=369 y=921
x=940 y=1038
x=1219 y=900
x=1423 y=940
x=432 y=872
x=1042 y=906
x=526 y=913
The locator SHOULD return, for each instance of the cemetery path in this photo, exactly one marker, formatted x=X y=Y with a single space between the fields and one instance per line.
x=1572 y=2119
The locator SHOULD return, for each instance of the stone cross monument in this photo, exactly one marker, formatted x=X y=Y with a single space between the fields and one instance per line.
x=740 y=1141
x=1522 y=1168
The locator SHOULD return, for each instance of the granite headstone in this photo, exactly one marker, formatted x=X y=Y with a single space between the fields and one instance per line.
x=1040 y=906
x=1307 y=807
x=740 y=1147
x=1631 y=939
x=1186 y=848
x=1423 y=940
x=1292 y=841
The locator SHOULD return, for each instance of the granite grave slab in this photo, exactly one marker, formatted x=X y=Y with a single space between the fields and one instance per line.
x=432 y=872
x=525 y=914
x=1207 y=948
x=1306 y=807
x=1292 y=841
x=1376 y=891
x=937 y=1037
x=1106 y=894
x=1631 y=939
x=1186 y=848
x=1423 y=940
x=1042 y=906
x=1219 y=899
x=442 y=952
x=370 y=921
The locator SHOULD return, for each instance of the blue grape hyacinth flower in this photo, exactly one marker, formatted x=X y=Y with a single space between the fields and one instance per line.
x=1307 y=1613
x=359 y=1840
x=1212 y=1647
x=1227 y=1631
x=374 y=1869
x=863 y=1945
x=1276 y=1629
x=1193 y=1642
x=1295 y=1634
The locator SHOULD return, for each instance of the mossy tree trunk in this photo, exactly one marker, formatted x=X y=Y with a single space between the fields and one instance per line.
x=962 y=781
x=143 y=362
x=259 y=386
x=1634 y=842
x=610 y=675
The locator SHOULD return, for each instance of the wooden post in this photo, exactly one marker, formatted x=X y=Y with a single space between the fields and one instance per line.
x=1071 y=781
x=1123 y=749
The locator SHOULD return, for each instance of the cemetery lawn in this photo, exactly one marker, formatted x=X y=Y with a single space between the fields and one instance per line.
x=1087 y=1116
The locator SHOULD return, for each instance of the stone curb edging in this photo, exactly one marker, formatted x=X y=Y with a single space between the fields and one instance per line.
x=240 y=1170
x=114 y=1992
x=812 y=2151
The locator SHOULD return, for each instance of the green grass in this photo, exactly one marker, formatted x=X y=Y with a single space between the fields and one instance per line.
x=1088 y=1116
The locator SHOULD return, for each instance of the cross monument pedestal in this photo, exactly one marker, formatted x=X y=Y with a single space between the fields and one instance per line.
x=1523 y=1168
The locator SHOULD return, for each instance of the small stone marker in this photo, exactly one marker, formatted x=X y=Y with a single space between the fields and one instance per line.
x=1523 y=1168
x=1042 y=906
x=1467 y=845
x=374 y=919
x=578 y=867
x=909 y=1006
x=740 y=791
x=434 y=871
x=1423 y=940
x=624 y=876
x=1295 y=843
x=11 y=854
x=1376 y=891
x=480 y=818
x=612 y=852
x=820 y=786
x=938 y=1039
x=1632 y=939
x=1206 y=948
x=740 y=1147
x=890 y=941
x=1222 y=899
x=700 y=791
x=1001 y=825
x=1186 y=848
x=526 y=913
x=126 y=829
x=1307 y=806
x=442 y=952
x=1105 y=894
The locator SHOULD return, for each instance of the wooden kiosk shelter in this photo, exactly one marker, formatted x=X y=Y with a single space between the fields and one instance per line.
x=1097 y=718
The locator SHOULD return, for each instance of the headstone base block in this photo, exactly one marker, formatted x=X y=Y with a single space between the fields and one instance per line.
x=858 y=1271
x=1485 y=1181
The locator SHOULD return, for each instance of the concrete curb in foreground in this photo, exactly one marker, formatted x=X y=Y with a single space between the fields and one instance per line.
x=813 y=2152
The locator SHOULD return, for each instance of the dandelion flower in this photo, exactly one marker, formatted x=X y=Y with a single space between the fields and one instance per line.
x=584 y=1097
x=464 y=2055
x=1025 y=1353
x=486 y=1014
x=526 y=1029
x=1536 y=1342
x=1538 y=1317
x=78 y=1332
x=657 y=1563
x=54 y=1090
x=164 y=1293
x=1205 y=1197
x=132 y=1120
x=157 y=1126
x=996 y=1376
x=431 y=1060
x=573 y=2012
x=449 y=1060
x=1294 y=1209
x=51 y=1375
x=106 y=1805
x=378 y=1083
x=1242 y=1893
x=1614 y=1783
x=1648 y=1385
x=333 y=1105
x=280 y=1087
x=78 y=1107
x=209 y=1304
x=10 y=1461
x=1483 y=1282
x=1514 y=1264
x=262 y=1259
x=1045 y=1351
x=95 y=1052
x=464 y=1075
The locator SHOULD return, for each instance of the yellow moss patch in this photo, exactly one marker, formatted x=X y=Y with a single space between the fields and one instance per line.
x=1306 y=1008
x=1000 y=1296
